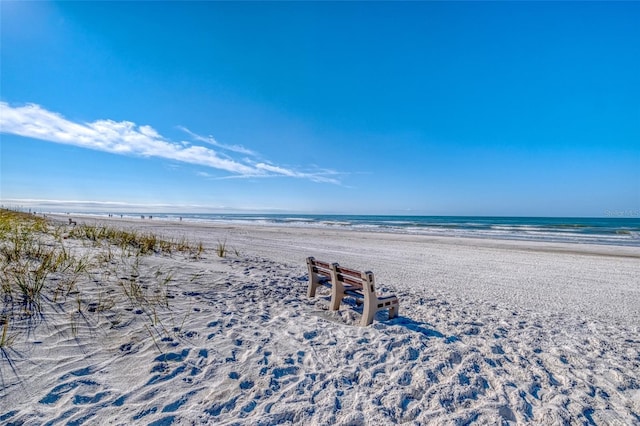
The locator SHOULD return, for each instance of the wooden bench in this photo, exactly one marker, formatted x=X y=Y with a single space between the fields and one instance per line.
x=345 y=282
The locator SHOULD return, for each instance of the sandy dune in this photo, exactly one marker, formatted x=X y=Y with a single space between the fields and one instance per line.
x=489 y=332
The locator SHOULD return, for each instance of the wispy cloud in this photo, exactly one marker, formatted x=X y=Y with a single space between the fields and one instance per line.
x=127 y=138
x=320 y=176
x=210 y=140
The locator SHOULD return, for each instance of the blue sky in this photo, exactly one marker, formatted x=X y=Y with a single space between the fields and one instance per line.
x=435 y=108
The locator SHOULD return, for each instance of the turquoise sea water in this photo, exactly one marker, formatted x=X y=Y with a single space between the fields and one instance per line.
x=611 y=230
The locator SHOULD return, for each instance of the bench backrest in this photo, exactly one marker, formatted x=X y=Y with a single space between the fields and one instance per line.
x=360 y=280
x=356 y=280
x=318 y=267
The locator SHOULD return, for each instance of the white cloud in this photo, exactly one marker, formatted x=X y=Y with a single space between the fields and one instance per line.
x=210 y=140
x=127 y=138
x=275 y=169
x=321 y=176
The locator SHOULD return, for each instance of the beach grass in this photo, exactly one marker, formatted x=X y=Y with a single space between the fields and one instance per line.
x=221 y=248
x=5 y=340
x=47 y=268
x=139 y=242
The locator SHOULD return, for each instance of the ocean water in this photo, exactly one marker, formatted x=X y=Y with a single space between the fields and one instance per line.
x=615 y=230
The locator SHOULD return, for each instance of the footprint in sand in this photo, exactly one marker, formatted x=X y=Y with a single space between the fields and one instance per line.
x=308 y=335
x=57 y=392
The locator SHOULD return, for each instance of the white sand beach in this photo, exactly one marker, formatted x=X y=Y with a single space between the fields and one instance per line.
x=489 y=332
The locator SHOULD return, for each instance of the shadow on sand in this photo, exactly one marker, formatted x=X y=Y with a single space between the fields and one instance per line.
x=423 y=328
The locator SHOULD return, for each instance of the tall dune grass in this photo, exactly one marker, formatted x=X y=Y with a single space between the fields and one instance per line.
x=41 y=273
x=141 y=243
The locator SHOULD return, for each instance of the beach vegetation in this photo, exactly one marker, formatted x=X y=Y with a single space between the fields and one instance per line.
x=86 y=271
x=155 y=342
x=198 y=250
x=79 y=303
x=221 y=248
x=73 y=325
x=5 y=339
x=104 y=303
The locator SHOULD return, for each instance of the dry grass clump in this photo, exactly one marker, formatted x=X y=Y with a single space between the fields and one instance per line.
x=142 y=243
x=92 y=274
x=221 y=248
x=26 y=261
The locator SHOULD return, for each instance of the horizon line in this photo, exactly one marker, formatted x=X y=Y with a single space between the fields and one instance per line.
x=120 y=207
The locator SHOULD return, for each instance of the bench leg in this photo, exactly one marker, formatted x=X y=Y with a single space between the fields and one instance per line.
x=368 y=313
x=311 y=290
x=313 y=278
x=370 y=310
x=336 y=298
x=337 y=289
x=393 y=310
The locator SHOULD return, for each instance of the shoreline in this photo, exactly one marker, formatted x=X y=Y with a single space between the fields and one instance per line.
x=480 y=241
x=596 y=231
